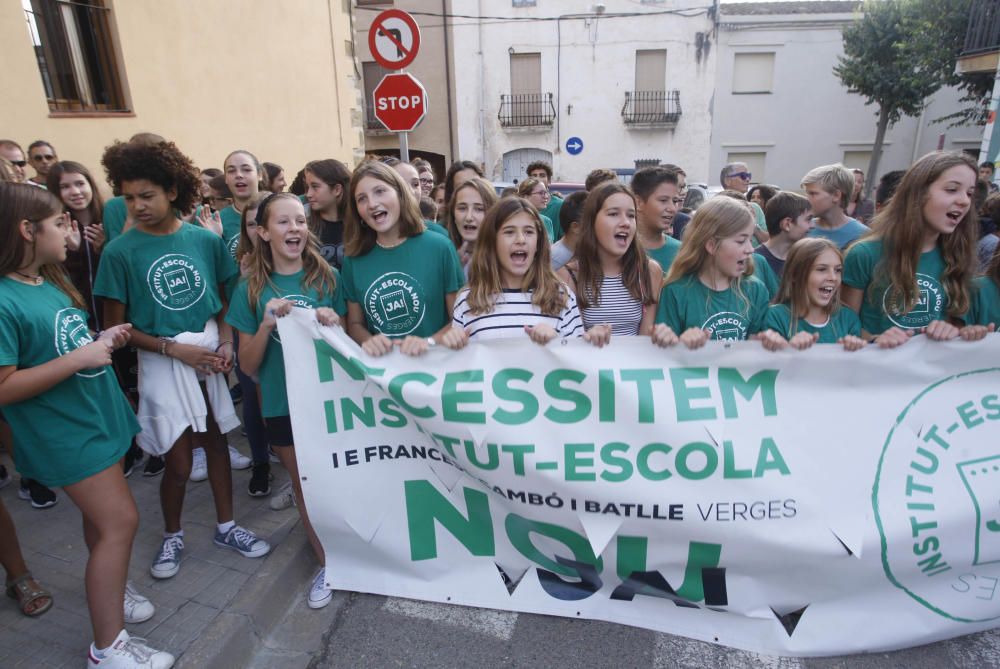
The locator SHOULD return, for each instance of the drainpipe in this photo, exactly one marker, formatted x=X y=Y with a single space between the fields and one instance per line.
x=447 y=83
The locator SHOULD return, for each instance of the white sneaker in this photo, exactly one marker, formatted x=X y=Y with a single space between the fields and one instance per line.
x=284 y=498
x=237 y=460
x=319 y=594
x=130 y=653
x=138 y=609
x=199 y=467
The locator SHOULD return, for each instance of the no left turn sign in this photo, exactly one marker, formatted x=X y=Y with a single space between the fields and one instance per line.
x=394 y=39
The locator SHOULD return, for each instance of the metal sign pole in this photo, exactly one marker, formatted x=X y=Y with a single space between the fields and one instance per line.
x=404 y=147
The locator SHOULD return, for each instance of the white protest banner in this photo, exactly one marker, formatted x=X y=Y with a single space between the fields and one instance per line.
x=800 y=503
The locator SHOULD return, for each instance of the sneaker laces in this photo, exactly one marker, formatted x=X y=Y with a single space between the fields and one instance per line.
x=319 y=580
x=137 y=648
x=241 y=536
x=168 y=551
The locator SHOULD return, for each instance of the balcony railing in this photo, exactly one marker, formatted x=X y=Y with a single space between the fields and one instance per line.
x=983 y=33
x=525 y=110
x=652 y=108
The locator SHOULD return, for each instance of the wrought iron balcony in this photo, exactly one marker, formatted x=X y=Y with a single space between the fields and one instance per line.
x=662 y=108
x=983 y=32
x=526 y=110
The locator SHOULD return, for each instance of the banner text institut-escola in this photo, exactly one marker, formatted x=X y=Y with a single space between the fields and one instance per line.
x=800 y=503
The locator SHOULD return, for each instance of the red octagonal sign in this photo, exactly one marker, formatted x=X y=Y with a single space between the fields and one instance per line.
x=400 y=102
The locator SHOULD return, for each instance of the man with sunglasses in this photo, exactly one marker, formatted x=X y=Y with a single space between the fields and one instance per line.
x=42 y=156
x=737 y=176
x=11 y=150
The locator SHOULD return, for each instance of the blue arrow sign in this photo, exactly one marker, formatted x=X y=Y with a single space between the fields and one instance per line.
x=574 y=146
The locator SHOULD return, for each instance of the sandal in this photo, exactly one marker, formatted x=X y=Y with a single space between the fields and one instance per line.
x=21 y=589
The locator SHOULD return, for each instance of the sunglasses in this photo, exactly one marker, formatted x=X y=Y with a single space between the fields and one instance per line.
x=19 y=163
x=746 y=176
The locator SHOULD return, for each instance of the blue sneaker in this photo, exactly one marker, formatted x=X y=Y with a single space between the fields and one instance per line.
x=168 y=561
x=243 y=541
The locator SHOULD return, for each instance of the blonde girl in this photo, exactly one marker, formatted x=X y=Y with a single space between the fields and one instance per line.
x=286 y=270
x=400 y=282
x=465 y=215
x=614 y=280
x=807 y=308
x=709 y=292
x=512 y=289
x=245 y=177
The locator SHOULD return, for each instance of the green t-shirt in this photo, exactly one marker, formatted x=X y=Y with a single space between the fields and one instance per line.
x=230 y=229
x=83 y=424
x=985 y=304
x=759 y=220
x=402 y=290
x=274 y=395
x=841 y=323
x=169 y=283
x=762 y=272
x=550 y=229
x=113 y=217
x=434 y=226
x=879 y=310
x=688 y=303
x=665 y=254
x=552 y=210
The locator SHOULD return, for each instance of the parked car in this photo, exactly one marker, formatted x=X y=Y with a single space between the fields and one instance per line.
x=564 y=188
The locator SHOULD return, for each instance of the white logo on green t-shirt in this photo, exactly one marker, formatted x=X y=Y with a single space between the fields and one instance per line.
x=175 y=282
x=72 y=333
x=394 y=304
x=234 y=241
x=928 y=307
x=726 y=326
x=303 y=301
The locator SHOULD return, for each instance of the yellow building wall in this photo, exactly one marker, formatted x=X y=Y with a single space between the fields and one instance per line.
x=275 y=78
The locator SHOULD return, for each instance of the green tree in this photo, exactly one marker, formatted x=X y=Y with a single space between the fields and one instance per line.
x=900 y=52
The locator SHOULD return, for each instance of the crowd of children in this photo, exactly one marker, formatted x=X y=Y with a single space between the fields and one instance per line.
x=191 y=269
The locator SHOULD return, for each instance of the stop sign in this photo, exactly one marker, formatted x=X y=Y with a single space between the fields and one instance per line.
x=400 y=102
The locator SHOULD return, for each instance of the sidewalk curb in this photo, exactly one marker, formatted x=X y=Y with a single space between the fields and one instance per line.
x=234 y=636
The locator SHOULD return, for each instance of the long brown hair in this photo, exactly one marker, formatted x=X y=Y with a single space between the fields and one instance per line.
x=21 y=202
x=486 y=192
x=794 y=288
x=635 y=262
x=547 y=291
x=96 y=206
x=317 y=273
x=359 y=239
x=901 y=227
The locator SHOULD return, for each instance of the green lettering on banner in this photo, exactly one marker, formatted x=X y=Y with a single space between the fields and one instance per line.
x=555 y=390
x=396 y=390
x=451 y=397
x=624 y=465
x=729 y=470
x=503 y=392
x=326 y=355
x=643 y=379
x=330 y=408
x=711 y=461
x=351 y=411
x=606 y=395
x=425 y=505
x=642 y=462
x=492 y=455
x=732 y=382
x=684 y=394
x=519 y=532
x=393 y=416
x=573 y=462
x=632 y=553
x=769 y=457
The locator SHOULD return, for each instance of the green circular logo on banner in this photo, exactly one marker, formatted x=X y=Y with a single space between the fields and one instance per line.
x=936 y=497
x=394 y=304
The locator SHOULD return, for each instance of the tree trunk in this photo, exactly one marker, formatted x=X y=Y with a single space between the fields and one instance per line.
x=883 y=125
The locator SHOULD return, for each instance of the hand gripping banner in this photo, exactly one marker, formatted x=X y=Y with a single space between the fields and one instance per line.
x=797 y=503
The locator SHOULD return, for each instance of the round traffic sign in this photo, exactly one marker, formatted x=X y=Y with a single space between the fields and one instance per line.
x=400 y=102
x=394 y=39
x=574 y=146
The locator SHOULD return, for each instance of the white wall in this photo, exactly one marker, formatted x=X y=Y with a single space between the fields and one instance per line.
x=810 y=119
x=597 y=67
